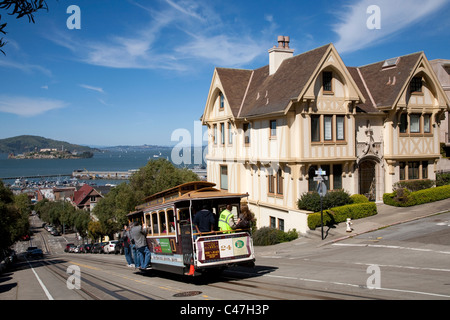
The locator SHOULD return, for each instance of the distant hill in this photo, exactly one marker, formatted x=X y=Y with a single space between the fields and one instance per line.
x=22 y=144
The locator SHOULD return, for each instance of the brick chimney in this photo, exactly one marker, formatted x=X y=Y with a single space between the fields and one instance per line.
x=278 y=54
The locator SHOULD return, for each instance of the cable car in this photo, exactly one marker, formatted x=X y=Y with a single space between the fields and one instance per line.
x=175 y=244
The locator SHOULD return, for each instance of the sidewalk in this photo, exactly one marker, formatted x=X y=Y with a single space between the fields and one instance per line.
x=387 y=216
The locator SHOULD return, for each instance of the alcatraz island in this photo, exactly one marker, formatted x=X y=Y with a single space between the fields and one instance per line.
x=51 y=154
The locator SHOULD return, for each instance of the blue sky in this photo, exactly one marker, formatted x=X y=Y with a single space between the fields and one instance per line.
x=137 y=70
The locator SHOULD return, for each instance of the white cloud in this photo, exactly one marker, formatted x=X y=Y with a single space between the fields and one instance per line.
x=24 y=67
x=97 y=89
x=178 y=32
x=28 y=107
x=395 y=16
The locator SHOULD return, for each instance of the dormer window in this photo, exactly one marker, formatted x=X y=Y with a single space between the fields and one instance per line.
x=327 y=81
x=416 y=85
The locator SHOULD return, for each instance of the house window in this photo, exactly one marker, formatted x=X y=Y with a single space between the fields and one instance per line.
x=402 y=171
x=279 y=182
x=215 y=134
x=340 y=135
x=413 y=170
x=273 y=128
x=426 y=123
x=312 y=185
x=403 y=122
x=271 y=184
x=416 y=85
x=230 y=134
x=222 y=100
x=222 y=133
x=273 y=222
x=328 y=127
x=281 y=224
x=327 y=78
x=337 y=176
x=425 y=170
x=275 y=183
x=247 y=127
x=315 y=128
x=414 y=123
x=224 y=177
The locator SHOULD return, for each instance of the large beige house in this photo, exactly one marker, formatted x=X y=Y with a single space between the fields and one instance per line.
x=272 y=128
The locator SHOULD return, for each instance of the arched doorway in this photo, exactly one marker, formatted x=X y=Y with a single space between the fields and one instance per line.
x=368 y=180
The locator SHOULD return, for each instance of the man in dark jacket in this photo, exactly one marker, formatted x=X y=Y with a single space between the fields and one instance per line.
x=204 y=220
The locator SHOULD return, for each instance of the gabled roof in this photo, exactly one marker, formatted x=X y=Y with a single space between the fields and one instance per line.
x=81 y=194
x=379 y=85
x=382 y=86
x=255 y=92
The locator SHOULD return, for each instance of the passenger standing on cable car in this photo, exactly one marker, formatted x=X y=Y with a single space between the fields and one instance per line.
x=204 y=220
x=127 y=245
x=138 y=234
x=226 y=219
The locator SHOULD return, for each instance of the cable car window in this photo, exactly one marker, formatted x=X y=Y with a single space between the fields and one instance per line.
x=147 y=223
x=171 y=224
x=162 y=222
x=155 y=223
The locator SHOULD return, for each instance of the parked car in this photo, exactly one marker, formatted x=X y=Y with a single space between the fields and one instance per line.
x=55 y=232
x=98 y=247
x=68 y=246
x=78 y=249
x=109 y=246
x=87 y=247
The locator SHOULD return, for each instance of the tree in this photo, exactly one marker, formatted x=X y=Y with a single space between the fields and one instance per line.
x=14 y=212
x=20 y=8
x=156 y=176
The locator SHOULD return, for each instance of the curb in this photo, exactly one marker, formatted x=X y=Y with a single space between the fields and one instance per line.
x=382 y=227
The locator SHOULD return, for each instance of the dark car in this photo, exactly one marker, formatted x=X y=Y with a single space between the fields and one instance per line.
x=87 y=247
x=35 y=252
x=98 y=247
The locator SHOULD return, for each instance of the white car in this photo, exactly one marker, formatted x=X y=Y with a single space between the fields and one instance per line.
x=110 y=246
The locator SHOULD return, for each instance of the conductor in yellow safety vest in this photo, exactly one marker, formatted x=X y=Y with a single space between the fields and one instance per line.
x=226 y=219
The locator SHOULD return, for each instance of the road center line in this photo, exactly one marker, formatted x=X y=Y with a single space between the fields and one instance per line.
x=388 y=247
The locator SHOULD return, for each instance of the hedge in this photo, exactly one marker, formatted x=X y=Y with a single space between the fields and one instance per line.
x=340 y=214
x=404 y=198
x=267 y=236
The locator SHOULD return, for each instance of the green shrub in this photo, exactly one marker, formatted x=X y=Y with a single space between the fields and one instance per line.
x=442 y=179
x=415 y=185
x=359 y=198
x=267 y=236
x=340 y=214
x=404 y=198
x=311 y=201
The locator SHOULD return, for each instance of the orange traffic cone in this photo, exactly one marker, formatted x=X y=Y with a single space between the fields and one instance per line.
x=191 y=270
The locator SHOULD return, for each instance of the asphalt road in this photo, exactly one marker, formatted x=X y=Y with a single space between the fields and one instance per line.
x=410 y=261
